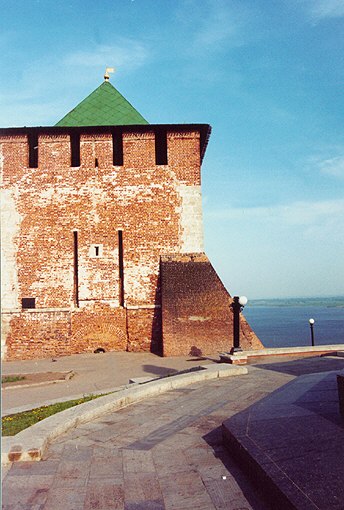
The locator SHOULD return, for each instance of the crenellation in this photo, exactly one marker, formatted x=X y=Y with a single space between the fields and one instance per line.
x=139 y=151
x=96 y=151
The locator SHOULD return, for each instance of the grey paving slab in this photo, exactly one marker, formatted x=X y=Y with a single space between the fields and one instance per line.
x=66 y=498
x=185 y=490
x=142 y=489
x=104 y=495
x=33 y=469
x=28 y=491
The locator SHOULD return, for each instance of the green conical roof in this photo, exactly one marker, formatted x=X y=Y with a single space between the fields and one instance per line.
x=104 y=107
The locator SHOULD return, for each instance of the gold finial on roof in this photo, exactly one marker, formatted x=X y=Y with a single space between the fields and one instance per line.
x=107 y=71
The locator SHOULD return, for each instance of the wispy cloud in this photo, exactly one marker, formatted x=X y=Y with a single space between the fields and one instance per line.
x=292 y=214
x=322 y=9
x=219 y=24
x=125 y=53
x=333 y=167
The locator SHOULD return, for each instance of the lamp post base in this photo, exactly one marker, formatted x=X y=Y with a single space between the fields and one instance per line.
x=235 y=350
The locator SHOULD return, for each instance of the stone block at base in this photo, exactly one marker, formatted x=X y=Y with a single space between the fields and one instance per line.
x=233 y=359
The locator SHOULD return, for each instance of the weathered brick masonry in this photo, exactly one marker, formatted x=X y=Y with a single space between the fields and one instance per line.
x=195 y=308
x=81 y=245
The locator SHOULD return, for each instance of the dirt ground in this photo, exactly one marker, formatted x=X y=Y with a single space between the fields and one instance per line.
x=38 y=378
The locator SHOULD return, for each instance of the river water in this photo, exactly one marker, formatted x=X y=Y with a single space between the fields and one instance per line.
x=283 y=323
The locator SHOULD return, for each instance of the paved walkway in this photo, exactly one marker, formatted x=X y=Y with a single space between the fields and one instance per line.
x=162 y=453
x=94 y=373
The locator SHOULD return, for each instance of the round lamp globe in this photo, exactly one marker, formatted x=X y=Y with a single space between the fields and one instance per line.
x=243 y=300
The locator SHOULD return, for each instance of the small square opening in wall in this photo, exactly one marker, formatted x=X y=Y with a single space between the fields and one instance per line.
x=28 y=302
x=96 y=251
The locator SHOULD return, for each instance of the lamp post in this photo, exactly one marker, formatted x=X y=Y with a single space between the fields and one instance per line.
x=311 y=323
x=237 y=305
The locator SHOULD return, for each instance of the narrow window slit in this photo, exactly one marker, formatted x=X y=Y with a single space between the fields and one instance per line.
x=117 y=148
x=33 y=150
x=75 y=149
x=161 y=148
x=121 y=268
x=76 y=270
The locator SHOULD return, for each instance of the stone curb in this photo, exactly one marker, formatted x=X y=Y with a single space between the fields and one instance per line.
x=334 y=349
x=77 y=396
x=31 y=443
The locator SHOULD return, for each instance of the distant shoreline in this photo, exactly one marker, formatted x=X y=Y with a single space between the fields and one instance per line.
x=328 y=302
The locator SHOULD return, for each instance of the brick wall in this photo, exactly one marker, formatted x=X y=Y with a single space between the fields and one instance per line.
x=42 y=334
x=144 y=329
x=98 y=326
x=157 y=207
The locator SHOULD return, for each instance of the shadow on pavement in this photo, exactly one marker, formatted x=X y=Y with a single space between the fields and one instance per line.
x=153 y=369
x=303 y=366
x=205 y=358
x=321 y=398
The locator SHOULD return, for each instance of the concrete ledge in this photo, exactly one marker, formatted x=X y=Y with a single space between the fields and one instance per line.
x=31 y=443
x=335 y=349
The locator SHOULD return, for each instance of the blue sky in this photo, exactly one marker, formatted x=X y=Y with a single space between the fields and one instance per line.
x=267 y=75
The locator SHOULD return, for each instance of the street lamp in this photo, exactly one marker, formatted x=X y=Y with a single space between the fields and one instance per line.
x=311 y=323
x=237 y=305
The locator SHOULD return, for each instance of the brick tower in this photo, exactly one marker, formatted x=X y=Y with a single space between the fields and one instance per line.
x=102 y=238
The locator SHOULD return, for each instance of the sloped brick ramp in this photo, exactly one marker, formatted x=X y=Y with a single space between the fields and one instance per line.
x=196 y=314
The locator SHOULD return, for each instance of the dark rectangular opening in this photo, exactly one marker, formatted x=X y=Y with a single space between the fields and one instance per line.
x=117 y=148
x=160 y=148
x=75 y=149
x=76 y=270
x=121 y=268
x=28 y=302
x=33 y=150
